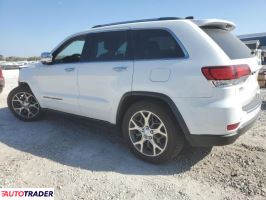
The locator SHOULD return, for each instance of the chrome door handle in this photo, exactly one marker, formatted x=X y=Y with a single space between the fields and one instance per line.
x=70 y=69
x=120 y=69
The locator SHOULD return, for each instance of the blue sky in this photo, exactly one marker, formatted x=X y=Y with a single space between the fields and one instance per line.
x=29 y=27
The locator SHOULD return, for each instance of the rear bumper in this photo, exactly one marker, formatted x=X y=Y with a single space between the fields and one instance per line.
x=220 y=140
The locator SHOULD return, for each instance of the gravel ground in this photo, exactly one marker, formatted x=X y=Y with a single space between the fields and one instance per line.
x=83 y=159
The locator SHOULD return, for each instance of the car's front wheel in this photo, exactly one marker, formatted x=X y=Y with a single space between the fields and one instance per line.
x=23 y=104
x=151 y=132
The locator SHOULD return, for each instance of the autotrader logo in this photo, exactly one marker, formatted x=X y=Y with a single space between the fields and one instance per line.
x=27 y=193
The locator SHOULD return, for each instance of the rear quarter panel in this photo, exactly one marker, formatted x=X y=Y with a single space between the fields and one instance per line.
x=186 y=79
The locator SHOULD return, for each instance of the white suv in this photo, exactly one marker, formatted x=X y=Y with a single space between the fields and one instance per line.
x=163 y=81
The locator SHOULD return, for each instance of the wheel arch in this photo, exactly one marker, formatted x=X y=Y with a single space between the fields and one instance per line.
x=33 y=90
x=131 y=97
x=26 y=77
x=24 y=84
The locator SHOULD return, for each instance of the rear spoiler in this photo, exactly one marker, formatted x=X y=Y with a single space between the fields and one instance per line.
x=215 y=23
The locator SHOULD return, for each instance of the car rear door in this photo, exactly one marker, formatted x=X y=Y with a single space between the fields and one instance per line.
x=106 y=74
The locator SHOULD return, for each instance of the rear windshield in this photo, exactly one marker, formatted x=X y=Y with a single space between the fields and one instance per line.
x=230 y=44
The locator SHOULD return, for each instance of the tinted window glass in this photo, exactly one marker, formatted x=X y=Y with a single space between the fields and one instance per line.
x=71 y=52
x=230 y=44
x=155 y=44
x=108 y=46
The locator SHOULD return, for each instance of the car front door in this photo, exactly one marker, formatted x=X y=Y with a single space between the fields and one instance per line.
x=57 y=82
x=105 y=75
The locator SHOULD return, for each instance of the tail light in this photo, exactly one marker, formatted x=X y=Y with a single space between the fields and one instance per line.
x=1 y=75
x=226 y=75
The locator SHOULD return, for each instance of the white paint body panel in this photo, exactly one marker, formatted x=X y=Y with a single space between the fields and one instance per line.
x=95 y=89
x=101 y=88
x=54 y=87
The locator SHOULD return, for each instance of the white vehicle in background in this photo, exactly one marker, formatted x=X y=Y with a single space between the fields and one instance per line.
x=163 y=81
x=260 y=47
x=10 y=65
x=16 y=64
x=257 y=44
x=254 y=47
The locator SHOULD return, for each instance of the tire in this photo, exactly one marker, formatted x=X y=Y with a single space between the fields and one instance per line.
x=161 y=141
x=23 y=104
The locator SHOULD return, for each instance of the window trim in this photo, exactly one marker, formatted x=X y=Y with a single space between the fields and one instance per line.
x=185 y=52
x=129 y=34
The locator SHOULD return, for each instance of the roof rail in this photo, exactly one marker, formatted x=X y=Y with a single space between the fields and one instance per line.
x=135 y=21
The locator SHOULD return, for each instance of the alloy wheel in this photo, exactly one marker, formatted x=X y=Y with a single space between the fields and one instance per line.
x=148 y=133
x=25 y=105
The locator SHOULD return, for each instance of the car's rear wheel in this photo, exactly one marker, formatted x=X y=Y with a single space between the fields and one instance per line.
x=151 y=132
x=23 y=104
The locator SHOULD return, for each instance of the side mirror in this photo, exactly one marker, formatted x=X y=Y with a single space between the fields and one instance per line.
x=46 y=58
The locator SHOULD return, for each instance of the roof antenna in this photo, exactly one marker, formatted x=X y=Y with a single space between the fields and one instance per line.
x=189 y=17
